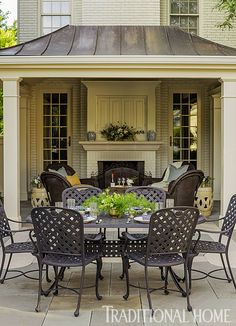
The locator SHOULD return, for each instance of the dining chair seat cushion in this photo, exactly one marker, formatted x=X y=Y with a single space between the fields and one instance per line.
x=157 y=260
x=61 y=171
x=73 y=179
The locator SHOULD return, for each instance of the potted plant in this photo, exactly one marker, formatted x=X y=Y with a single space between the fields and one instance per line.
x=204 y=197
x=117 y=204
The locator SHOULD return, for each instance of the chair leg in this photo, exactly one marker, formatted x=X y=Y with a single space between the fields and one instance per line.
x=56 y=280
x=98 y=275
x=47 y=274
x=190 y=264
x=230 y=270
x=186 y=276
x=126 y=273
x=2 y=264
x=223 y=263
x=7 y=268
x=166 y=280
x=37 y=308
x=76 y=313
x=148 y=290
x=162 y=274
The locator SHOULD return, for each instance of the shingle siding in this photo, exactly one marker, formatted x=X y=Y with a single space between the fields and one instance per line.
x=28 y=16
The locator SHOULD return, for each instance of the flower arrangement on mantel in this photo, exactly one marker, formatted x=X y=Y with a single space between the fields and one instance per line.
x=120 y=132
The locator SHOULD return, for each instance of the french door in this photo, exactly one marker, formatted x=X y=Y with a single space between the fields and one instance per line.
x=56 y=139
x=184 y=138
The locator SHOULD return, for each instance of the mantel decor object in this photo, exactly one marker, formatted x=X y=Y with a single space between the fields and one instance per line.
x=91 y=135
x=151 y=135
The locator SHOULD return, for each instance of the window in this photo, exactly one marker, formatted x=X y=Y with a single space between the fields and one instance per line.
x=55 y=128
x=184 y=13
x=55 y=14
x=185 y=111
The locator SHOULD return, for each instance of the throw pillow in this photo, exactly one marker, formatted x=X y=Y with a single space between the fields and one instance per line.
x=73 y=179
x=61 y=171
x=176 y=172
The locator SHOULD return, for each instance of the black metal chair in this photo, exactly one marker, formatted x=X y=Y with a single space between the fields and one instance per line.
x=218 y=247
x=59 y=234
x=168 y=244
x=79 y=193
x=183 y=190
x=13 y=248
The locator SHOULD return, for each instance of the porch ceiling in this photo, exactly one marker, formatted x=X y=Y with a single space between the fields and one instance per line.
x=119 y=40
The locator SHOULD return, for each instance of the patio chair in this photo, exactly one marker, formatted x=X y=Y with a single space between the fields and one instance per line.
x=13 y=247
x=150 y=180
x=59 y=234
x=184 y=188
x=168 y=244
x=79 y=193
x=218 y=247
x=54 y=183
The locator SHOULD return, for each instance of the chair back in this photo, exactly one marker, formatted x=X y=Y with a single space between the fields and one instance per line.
x=79 y=193
x=54 y=183
x=57 y=165
x=152 y=194
x=58 y=231
x=171 y=230
x=4 y=224
x=183 y=190
x=230 y=217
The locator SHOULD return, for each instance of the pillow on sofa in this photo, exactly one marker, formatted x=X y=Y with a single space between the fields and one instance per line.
x=73 y=179
x=61 y=171
x=176 y=172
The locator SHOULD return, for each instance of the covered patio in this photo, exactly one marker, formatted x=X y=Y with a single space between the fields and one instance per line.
x=151 y=61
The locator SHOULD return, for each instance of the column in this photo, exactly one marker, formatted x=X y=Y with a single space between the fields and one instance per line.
x=11 y=147
x=228 y=140
x=217 y=145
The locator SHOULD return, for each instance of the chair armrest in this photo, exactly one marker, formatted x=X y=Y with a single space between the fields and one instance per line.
x=129 y=237
x=21 y=222
x=218 y=219
x=215 y=232
x=89 y=181
x=15 y=231
x=149 y=180
x=98 y=237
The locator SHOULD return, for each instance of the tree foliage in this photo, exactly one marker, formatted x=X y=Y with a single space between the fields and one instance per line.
x=8 y=37
x=229 y=9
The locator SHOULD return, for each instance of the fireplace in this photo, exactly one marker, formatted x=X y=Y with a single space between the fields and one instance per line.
x=120 y=169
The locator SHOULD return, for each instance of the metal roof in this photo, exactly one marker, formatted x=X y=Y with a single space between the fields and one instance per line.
x=119 y=40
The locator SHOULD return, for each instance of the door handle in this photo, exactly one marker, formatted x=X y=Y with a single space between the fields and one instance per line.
x=171 y=141
x=69 y=141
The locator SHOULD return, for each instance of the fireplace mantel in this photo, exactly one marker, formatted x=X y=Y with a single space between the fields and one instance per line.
x=121 y=145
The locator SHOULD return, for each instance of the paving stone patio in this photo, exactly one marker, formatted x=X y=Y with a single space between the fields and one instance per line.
x=209 y=296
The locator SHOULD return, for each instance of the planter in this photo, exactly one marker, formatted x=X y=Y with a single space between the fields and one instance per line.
x=113 y=212
x=39 y=197
x=204 y=200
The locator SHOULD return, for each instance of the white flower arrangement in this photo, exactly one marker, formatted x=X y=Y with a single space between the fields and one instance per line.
x=36 y=182
x=129 y=181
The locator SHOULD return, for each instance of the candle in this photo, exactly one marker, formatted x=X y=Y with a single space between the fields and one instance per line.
x=112 y=177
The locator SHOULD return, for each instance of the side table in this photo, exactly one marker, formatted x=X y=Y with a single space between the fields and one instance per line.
x=39 y=197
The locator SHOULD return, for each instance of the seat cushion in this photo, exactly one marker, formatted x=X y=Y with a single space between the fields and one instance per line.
x=73 y=179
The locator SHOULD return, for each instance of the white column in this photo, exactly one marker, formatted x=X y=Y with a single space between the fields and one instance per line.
x=217 y=145
x=11 y=147
x=228 y=141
